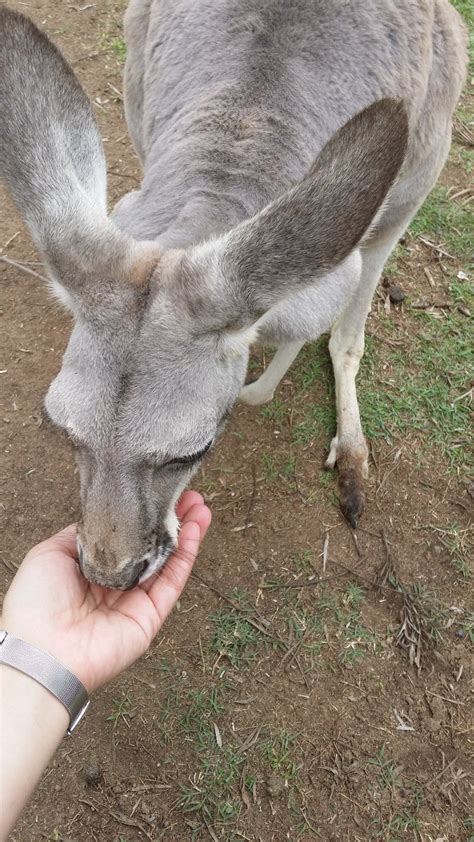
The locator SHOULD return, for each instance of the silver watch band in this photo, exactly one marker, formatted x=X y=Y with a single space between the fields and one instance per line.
x=47 y=671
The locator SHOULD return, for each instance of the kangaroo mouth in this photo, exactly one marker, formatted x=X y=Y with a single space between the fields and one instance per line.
x=158 y=557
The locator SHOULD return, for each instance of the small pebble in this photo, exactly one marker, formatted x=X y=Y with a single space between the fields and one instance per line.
x=92 y=773
x=396 y=294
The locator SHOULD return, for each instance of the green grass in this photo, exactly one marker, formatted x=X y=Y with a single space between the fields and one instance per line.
x=466 y=9
x=458 y=542
x=385 y=769
x=123 y=711
x=119 y=49
x=459 y=155
x=303 y=562
x=467 y=626
x=421 y=393
x=234 y=638
x=276 y=411
x=445 y=222
x=277 y=467
x=278 y=752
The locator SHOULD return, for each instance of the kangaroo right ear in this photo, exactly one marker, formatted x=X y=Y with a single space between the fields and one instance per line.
x=313 y=227
x=52 y=161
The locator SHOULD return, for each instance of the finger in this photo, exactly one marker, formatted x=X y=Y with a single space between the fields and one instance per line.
x=188 y=499
x=167 y=588
x=201 y=515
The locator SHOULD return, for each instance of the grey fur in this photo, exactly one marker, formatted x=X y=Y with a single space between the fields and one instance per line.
x=234 y=107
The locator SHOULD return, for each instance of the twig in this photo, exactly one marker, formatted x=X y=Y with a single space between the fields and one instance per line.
x=445 y=698
x=10 y=240
x=23 y=268
x=356 y=543
x=325 y=551
x=252 y=497
x=124 y=175
x=89 y=55
x=122 y=819
x=115 y=91
x=440 y=774
x=437 y=248
x=462 y=133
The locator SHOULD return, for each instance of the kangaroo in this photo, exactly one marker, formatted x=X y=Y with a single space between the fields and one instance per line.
x=285 y=148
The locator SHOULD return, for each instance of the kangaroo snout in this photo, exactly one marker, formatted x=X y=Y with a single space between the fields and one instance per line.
x=108 y=564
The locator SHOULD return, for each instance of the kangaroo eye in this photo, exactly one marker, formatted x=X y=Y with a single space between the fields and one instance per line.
x=188 y=460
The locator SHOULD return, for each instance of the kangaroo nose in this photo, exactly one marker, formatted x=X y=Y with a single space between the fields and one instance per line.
x=124 y=579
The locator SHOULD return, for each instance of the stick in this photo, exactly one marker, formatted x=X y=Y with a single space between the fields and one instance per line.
x=23 y=268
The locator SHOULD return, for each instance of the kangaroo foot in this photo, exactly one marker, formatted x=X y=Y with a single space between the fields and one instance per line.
x=352 y=466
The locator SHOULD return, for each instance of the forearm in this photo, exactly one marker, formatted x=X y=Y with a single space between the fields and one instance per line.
x=32 y=725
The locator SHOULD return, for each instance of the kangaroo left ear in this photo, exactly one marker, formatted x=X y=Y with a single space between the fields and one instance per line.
x=52 y=160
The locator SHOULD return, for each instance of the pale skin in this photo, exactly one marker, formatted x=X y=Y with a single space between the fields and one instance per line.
x=95 y=632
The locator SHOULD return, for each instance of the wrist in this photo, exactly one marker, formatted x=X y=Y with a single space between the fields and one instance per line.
x=48 y=672
x=49 y=638
x=22 y=692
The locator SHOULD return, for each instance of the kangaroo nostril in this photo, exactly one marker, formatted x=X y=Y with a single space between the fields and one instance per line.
x=133 y=584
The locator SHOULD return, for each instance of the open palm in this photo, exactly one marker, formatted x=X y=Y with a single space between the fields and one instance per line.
x=96 y=632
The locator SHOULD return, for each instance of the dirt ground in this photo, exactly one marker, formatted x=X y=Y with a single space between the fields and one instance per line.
x=277 y=703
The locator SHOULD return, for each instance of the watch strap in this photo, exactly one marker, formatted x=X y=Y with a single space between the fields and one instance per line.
x=42 y=667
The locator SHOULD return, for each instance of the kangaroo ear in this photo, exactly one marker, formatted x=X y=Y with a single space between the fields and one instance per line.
x=52 y=161
x=308 y=231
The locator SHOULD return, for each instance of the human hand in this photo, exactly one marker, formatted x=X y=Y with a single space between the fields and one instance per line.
x=93 y=631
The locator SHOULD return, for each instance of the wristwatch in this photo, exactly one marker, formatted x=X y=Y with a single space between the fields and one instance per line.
x=45 y=669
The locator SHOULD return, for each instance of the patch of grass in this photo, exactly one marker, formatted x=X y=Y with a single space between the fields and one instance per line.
x=212 y=788
x=277 y=750
x=276 y=411
x=313 y=363
x=278 y=467
x=313 y=419
x=385 y=769
x=270 y=467
x=459 y=155
x=467 y=626
x=201 y=708
x=119 y=49
x=359 y=640
x=343 y=615
x=234 y=638
x=326 y=479
x=458 y=544
x=392 y=266
x=445 y=222
x=303 y=562
x=316 y=420
x=466 y=9
x=353 y=595
x=213 y=791
x=124 y=710
x=424 y=393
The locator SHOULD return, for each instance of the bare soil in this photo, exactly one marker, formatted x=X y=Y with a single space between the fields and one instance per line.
x=125 y=780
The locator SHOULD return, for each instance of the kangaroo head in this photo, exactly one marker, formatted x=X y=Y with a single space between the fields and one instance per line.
x=160 y=345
